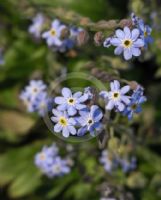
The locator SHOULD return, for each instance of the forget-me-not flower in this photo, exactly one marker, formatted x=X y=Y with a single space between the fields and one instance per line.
x=63 y=124
x=53 y=35
x=89 y=120
x=116 y=97
x=137 y=99
x=71 y=102
x=109 y=162
x=36 y=27
x=59 y=167
x=127 y=42
x=145 y=33
x=128 y=164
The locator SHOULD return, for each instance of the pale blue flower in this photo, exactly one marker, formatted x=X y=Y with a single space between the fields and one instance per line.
x=109 y=161
x=89 y=92
x=59 y=167
x=137 y=99
x=44 y=159
x=145 y=33
x=34 y=88
x=71 y=102
x=128 y=164
x=37 y=24
x=89 y=120
x=42 y=103
x=63 y=123
x=127 y=42
x=35 y=98
x=116 y=97
x=53 y=35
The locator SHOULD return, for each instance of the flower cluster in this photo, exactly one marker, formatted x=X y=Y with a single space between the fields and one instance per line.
x=73 y=116
x=35 y=97
x=130 y=41
x=50 y=163
x=118 y=99
x=60 y=37
x=112 y=162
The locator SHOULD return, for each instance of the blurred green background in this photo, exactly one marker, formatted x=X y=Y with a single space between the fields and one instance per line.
x=23 y=134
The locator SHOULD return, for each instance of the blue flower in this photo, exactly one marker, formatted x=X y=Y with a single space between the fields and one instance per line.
x=35 y=97
x=89 y=120
x=59 y=167
x=89 y=92
x=128 y=165
x=116 y=97
x=44 y=158
x=134 y=106
x=37 y=24
x=63 y=124
x=145 y=33
x=109 y=161
x=50 y=163
x=53 y=35
x=134 y=19
x=34 y=88
x=127 y=42
x=42 y=103
x=27 y=102
x=71 y=102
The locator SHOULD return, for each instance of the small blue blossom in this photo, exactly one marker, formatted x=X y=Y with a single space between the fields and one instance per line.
x=68 y=43
x=88 y=91
x=134 y=106
x=116 y=97
x=127 y=42
x=37 y=24
x=89 y=120
x=53 y=35
x=42 y=103
x=45 y=157
x=63 y=124
x=134 y=19
x=35 y=98
x=109 y=162
x=50 y=163
x=71 y=102
x=59 y=167
x=145 y=33
x=128 y=165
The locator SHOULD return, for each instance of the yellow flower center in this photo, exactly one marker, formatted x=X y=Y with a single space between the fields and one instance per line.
x=53 y=32
x=133 y=107
x=145 y=34
x=115 y=95
x=127 y=43
x=63 y=121
x=71 y=101
x=90 y=121
x=42 y=156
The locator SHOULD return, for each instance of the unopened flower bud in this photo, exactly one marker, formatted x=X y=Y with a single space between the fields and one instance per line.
x=133 y=85
x=98 y=38
x=126 y=22
x=82 y=37
x=65 y=33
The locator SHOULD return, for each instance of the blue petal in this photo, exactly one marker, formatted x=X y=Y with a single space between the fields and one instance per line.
x=66 y=92
x=65 y=132
x=72 y=130
x=59 y=100
x=127 y=54
x=82 y=131
x=57 y=128
x=71 y=110
x=96 y=113
x=62 y=107
x=83 y=98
